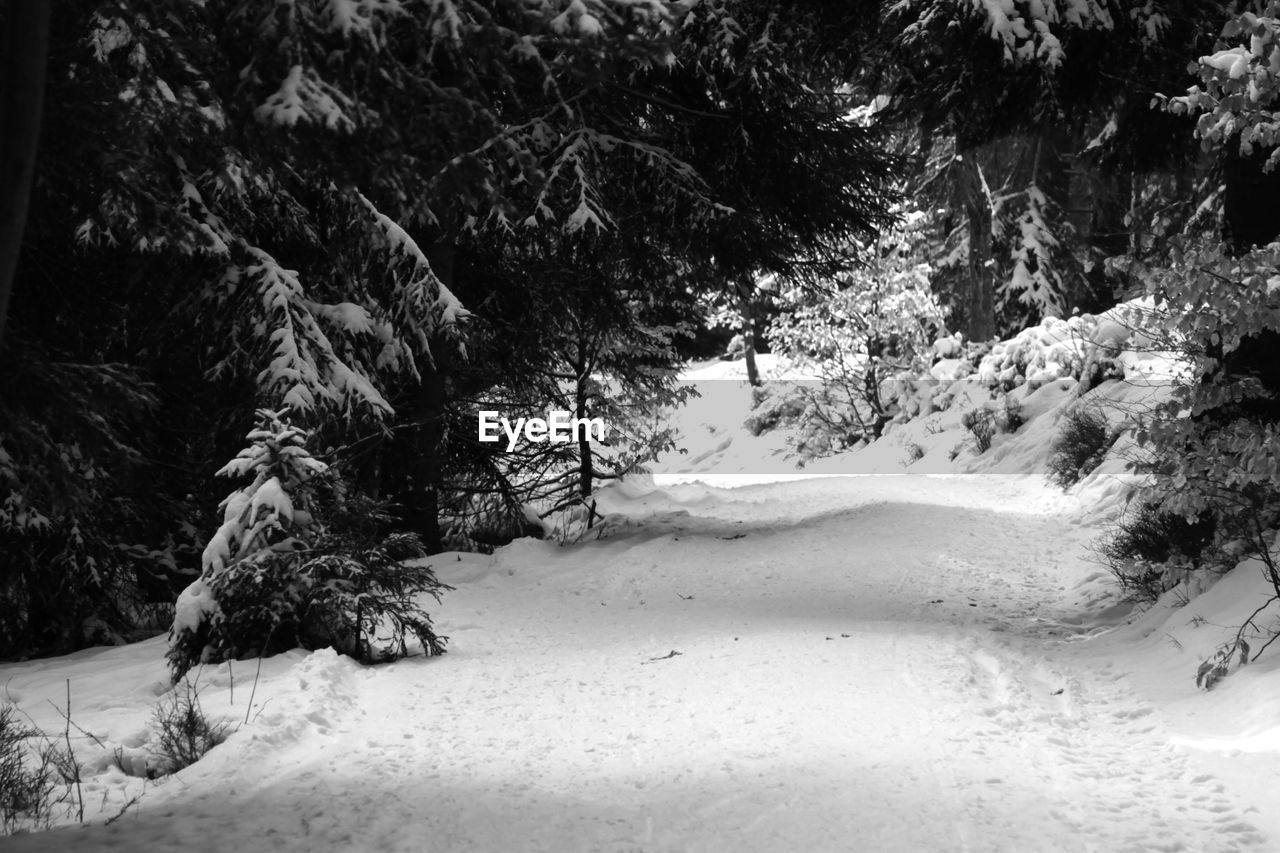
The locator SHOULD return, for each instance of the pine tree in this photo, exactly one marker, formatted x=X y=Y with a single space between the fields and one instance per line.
x=242 y=206
x=273 y=576
x=756 y=105
x=1065 y=88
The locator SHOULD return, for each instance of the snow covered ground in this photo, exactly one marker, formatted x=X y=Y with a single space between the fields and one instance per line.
x=889 y=662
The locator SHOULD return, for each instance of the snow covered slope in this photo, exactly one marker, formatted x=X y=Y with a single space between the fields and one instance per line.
x=835 y=664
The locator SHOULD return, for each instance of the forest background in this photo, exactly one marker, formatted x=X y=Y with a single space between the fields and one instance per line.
x=345 y=227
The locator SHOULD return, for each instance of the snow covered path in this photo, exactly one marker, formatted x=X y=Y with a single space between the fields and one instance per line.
x=870 y=664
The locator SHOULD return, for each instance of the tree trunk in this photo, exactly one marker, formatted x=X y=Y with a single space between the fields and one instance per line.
x=1251 y=215
x=1112 y=202
x=747 y=310
x=586 y=471
x=22 y=73
x=1251 y=218
x=581 y=393
x=980 y=318
x=424 y=467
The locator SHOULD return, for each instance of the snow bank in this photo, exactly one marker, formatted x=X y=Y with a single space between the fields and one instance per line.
x=1028 y=383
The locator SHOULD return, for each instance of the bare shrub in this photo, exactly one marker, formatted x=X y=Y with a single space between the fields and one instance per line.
x=29 y=789
x=185 y=732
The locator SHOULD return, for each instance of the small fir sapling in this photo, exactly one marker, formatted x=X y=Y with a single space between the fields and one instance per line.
x=258 y=519
x=274 y=577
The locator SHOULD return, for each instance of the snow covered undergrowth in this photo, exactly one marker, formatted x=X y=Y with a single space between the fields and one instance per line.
x=886 y=662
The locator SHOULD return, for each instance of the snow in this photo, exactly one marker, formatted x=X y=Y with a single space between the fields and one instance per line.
x=576 y=18
x=1012 y=24
x=424 y=287
x=195 y=604
x=892 y=661
x=350 y=318
x=358 y=17
x=1234 y=62
x=305 y=97
x=109 y=35
x=272 y=497
x=769 y=366
x=305 y=371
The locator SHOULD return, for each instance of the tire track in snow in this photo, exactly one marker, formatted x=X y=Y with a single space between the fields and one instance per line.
x=1098 y=755
x=1099 y=771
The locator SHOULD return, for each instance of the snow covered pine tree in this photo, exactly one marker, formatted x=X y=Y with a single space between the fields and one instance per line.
x=273 y=577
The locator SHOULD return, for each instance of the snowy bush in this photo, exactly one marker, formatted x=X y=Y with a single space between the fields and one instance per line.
x=1216 y=441
x=1148 y=547
x=774 y=405
x=1080 y=447
x=875 y=324
x=1051 y=350
x=1010 y=418
x=275 y=577
x=1213 y=449
x=981 y=424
